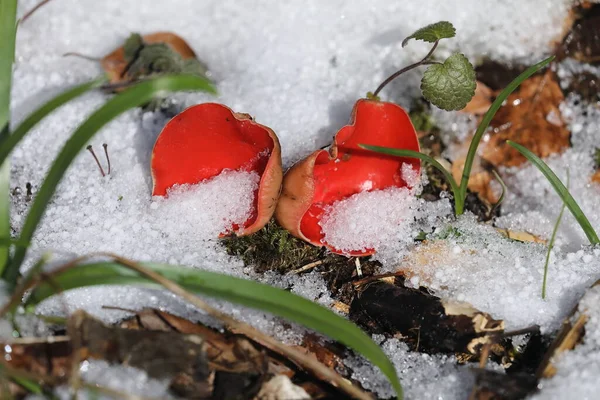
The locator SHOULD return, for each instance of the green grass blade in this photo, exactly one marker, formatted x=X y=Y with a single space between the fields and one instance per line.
x=130 y=98
x=9 y=143
x=561 y=190
x=485 y=122
x=420 y=156
x=248 y=293
x=8 y=31
x=551 y=243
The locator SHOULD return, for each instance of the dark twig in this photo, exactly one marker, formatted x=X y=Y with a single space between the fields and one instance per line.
x=79 y=55
x=107 y=158
x=89 y=148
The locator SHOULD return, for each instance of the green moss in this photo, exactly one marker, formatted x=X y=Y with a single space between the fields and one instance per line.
x=273 y=248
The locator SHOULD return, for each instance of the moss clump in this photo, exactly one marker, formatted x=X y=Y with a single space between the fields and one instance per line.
x=273 y=248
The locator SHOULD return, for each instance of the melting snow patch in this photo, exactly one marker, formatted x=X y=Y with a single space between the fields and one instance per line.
x=501 y=276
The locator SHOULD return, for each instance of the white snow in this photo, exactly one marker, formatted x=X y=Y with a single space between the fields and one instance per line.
x=385 y=220
x=297 y=67
x=578 y=370
x=424 y=376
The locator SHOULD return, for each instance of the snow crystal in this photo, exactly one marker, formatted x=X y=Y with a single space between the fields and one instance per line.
x=386 y=220
x=578 y=369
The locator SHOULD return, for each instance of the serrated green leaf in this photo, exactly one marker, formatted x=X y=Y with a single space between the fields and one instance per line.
x=241 y=291
x=451 y=85
x=433 y=33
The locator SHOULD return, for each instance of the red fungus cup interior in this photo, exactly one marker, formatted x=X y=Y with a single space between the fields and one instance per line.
x=348 y=169
x=206 y=139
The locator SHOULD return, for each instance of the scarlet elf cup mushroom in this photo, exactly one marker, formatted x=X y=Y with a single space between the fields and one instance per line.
x=325 y=177
x=206 y=139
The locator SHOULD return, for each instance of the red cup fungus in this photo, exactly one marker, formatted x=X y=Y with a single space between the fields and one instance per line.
x=206 y=139
x=325 y=177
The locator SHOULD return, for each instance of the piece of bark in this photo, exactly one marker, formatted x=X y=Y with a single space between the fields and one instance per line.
x=434 y=325
x=492 y=385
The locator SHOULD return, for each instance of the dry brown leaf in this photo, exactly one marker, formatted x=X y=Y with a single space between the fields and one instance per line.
x=530 y=117
x=482 y=100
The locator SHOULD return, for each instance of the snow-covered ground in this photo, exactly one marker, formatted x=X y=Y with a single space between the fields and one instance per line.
x=298 y=67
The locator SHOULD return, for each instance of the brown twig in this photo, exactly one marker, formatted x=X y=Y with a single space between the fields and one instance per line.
x=91 y=150
x=306 y=267
x=107 y=158
x=85 y=57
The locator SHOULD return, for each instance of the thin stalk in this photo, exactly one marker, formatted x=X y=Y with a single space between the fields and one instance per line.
x=485 y=122
x=396 y=74
x=551 y=243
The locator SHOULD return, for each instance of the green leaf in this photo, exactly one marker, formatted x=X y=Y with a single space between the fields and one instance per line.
x=8 y=31
x=10 y=142
x=132 y=47
x=248 y=293
x=432 y=33
x=451 y=85
x=420 y=156
x=483 y=125
x=130 y=98
x=561 y=190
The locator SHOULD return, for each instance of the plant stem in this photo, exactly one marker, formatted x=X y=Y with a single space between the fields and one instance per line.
x=485 y=122
x=396 y=74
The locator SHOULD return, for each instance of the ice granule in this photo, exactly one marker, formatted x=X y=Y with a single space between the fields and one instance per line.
x=385 y=220
x=578 y=369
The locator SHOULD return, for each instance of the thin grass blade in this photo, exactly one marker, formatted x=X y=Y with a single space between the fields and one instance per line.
x=128 y=99
x=561 y=190
x=420 y=156
x=9 y=143
x=551 y=243
x=248 y=293
x=485 y=122
x=8 y=31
